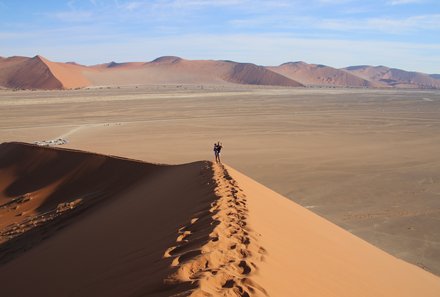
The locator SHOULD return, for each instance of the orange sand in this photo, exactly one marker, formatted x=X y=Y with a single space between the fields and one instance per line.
x=197 y=229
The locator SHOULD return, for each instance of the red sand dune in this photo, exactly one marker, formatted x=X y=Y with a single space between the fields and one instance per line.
x=395 y=77
x=26 y=73
x=39 y=73
x=97 y=225
x=69 y=74
x=175 y=70
x=321 y=75
x=252 y=74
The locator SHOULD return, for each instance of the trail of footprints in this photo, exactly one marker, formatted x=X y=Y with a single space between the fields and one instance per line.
x=224 y=265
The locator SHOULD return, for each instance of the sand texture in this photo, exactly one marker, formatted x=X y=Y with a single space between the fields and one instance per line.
x=197 y=229
x=367 y=160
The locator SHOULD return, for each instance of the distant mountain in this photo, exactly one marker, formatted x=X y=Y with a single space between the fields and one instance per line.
x=39 y=73
x=396 y=78
x=321 y=75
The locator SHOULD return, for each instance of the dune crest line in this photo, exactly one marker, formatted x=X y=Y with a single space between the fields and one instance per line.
x=226 y=263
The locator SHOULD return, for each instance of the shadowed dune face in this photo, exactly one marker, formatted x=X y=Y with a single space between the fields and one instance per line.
x=158 y=230
x=40 y=183
x=36 y=168
x=256 y=75
x=39 y=73
x=116 y=247
x=27 y=73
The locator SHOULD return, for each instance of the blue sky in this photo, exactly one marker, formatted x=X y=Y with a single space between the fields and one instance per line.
x=396 y=33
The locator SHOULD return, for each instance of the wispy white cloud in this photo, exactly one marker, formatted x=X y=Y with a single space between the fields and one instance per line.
x=73 y=16
x=400 y=2
x=388 y=25
x=132 y=5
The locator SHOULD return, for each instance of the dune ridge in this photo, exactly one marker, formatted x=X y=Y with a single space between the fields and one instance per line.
x=246 y=73
x=196 y=229
x=27 y=73
x=225 y=265
x=116 y=247
x=175 y=70
x=321 y=75
x=395 y=77
x=40 y=73
x=68 y=74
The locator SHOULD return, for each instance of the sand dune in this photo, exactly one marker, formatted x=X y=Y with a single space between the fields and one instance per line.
x=69 y=74
x=175 y=70
x=27 y=73
x=255 y=75
x=395 y=77
x=321 y=75
x=39 y=185
x=39 y=73
x=309 y=256
x=126 y=228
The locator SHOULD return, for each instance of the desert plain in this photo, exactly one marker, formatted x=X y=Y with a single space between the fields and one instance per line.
x=366 y=160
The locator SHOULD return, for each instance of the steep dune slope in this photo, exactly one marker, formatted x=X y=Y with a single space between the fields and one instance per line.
x=69 y=74
x=38 y=184
x=197 y=229
x=308 y=256
x=27 y=73
x=39 y=73
x=321 y=75
x=113 y=242
x=246 y=73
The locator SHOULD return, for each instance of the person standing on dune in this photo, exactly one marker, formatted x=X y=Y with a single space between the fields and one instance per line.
x=217 y=148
